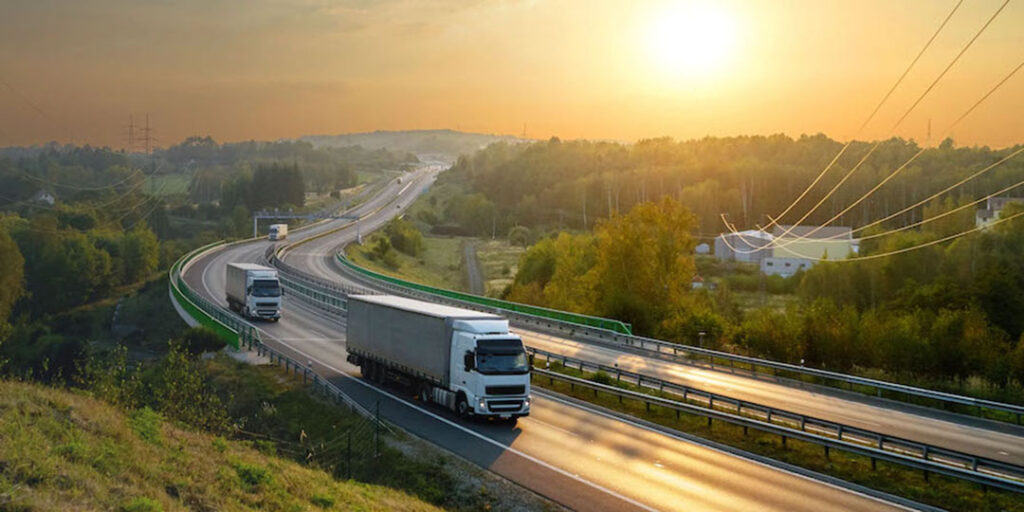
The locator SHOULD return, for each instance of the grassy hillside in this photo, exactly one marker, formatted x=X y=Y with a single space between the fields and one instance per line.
x=66 y=451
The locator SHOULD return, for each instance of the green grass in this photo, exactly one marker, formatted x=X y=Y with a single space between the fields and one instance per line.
x=895 y=479
x=499 y=262
x=167 y=184
x=749 y=301
x=66 y=451
x=440 y=263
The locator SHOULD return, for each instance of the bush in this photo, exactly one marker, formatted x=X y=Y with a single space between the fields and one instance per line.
x=197 y=340
x=252 y=475
x=142 y=505
x=322 y=501
x=146 y=424
x=601 y=377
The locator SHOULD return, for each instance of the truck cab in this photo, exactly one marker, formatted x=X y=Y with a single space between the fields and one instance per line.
x=277 y=232
x=490 y=371
x=254 y=290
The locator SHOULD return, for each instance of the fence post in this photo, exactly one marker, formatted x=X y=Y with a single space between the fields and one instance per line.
x=348 y=455
x=376 y=432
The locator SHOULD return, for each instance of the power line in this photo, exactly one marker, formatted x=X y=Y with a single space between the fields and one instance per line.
x=905 y=249
x=904 y=166
x=874 y=112
x=878 y=143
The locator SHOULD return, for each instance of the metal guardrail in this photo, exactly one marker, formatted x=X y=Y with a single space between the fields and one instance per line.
x=503 y=305
x=242 y=335
x=852 y=439
x=874 y=453
x=714 y=359
x=803 y=422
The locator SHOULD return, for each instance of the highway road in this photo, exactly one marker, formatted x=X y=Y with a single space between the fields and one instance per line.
x=583 y=459
x=994 y=440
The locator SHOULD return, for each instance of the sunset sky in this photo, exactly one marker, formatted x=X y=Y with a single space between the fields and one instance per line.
x=269 y=69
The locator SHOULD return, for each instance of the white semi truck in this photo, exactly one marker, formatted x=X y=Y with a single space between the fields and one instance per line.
x=277 y=232
x=464 y=360
x=254 y=291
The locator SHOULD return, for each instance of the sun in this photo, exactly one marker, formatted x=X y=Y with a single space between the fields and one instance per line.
x=691 y=40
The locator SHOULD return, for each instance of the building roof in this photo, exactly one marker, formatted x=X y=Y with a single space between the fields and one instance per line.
x=998 y=203
x=826 y=232
x=750 y=233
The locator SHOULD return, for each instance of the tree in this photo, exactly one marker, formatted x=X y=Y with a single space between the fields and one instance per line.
x=12 y=279
x=140 y=253
x=644 y=263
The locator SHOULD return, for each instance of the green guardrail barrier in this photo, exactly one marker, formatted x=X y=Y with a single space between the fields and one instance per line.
x=554 y=314
x=208 y=314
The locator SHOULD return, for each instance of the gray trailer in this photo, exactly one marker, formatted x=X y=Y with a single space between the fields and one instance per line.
x=463 y=359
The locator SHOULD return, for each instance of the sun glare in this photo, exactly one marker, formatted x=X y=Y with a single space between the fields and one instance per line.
x=691 y=40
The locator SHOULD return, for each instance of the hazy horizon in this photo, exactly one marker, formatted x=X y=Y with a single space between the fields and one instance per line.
x=74 y=72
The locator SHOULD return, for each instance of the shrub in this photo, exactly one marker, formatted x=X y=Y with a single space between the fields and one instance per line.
x=252 y=475
x=197 y=340
x=322 y=501
x=142 y=505
x=146 y=424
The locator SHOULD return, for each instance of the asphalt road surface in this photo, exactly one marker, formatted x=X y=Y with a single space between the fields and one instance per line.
x=575 y=456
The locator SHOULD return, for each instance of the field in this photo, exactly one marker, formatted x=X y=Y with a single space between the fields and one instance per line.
x=440 y=264
x=166 y=184
x=498 y=263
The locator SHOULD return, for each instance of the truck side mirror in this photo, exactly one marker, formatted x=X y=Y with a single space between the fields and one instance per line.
x=248 y=290
x=468 y=361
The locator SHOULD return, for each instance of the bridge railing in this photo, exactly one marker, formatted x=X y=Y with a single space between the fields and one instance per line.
x=713 y=359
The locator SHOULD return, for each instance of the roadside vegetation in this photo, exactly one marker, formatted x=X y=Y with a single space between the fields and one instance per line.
x=108 y=402
x=936 y=490
x=612 y=230
x=65 y=450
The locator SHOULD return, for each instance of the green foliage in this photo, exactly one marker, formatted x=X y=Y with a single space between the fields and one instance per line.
x=142 y=505
x=200 y=339
x=323 y=501
x=520 y=235
x=383 y=252
x=139 y=253
x=12 y=285
x=404 y=236
x=252 y=476
x=146 y=424
x=181 y=390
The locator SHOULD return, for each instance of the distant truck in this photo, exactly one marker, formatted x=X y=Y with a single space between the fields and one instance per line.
x=464 y=360
x=278 y=232
x=254 y=291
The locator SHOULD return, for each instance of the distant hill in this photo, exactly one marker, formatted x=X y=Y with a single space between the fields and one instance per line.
x=449 y=143
x=66 y=451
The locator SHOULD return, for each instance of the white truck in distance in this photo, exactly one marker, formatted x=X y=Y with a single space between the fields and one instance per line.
x=253 y=290
x=277 y=232
x=464 y=360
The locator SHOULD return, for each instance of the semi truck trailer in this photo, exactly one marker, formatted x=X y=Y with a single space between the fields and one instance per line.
x=277 y=232
x=254 y=291
x=464 y=360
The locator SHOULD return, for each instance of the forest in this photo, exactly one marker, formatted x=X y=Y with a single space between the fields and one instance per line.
x=612 y=228
x=81 y=226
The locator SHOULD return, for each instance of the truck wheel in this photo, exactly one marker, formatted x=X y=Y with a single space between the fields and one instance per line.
x=462 y=406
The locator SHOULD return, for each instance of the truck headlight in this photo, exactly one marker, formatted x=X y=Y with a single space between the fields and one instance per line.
x=526 y=403
x=482 y=404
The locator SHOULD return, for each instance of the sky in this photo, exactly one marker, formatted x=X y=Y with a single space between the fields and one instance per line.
x=74 y=71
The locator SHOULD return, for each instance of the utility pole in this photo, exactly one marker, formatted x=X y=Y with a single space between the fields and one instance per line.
x=131 y=133
x=147 y=136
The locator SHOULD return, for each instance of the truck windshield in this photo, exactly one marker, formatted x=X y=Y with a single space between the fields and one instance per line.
x=501 y=357
x=266 y=288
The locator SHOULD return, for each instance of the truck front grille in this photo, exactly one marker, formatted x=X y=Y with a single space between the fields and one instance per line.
x=504 y=405
x=506 y=390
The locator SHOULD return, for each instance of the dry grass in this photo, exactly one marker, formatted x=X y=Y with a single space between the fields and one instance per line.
x=65 y=451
